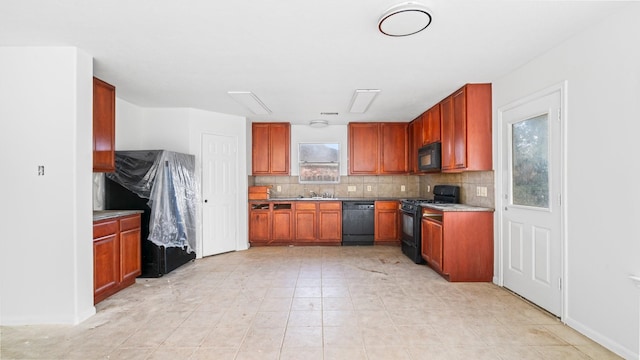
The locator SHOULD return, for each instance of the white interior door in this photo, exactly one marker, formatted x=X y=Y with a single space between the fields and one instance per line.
x=531 y=218
x=219 y=194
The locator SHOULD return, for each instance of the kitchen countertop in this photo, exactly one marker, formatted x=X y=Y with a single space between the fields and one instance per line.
x=322 y=199
x=455 y=207
x=110 y=214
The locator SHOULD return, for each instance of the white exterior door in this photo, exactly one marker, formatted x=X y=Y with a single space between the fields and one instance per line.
x=531 y=207
x=219 y=194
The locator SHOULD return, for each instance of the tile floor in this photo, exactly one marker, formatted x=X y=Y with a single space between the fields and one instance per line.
x=306 y=303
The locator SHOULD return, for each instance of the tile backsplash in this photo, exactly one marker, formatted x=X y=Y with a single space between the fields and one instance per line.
x=387 y=186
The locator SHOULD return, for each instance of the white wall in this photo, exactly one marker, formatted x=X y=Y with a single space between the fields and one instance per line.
x=46 y=251
x=181 y=129
x=602 y=67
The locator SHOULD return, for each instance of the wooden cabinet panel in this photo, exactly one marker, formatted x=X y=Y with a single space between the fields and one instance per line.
x=116 y=255
x=282 y=223
x=466 y=129
x=330 y=222
x=448 y=158
x=432 y=243
x=130 y=255
x=271 y=148
x=106 y=273
x=305 y=221
x=104 y=120
x=416 y=141
x=261 y=144
x=363 y=148
x=393 y=150
x=431 y=125
x=259 y=223
x=386 y=223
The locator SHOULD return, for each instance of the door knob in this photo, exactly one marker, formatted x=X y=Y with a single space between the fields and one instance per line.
x=205 y=200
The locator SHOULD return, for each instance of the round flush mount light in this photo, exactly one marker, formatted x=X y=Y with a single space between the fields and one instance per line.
x=404 y=19
x=318 y=123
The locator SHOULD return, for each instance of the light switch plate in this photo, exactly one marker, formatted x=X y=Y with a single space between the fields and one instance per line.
x=368 y=187
x=351 y=188
x=278 y=188
x=402 y=188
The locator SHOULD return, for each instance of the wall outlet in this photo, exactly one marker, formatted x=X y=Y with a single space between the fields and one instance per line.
x=402 y=188
x=279 y=188
x=351 y=188
x=368 y=187
x=428 y=188
x=481 y=191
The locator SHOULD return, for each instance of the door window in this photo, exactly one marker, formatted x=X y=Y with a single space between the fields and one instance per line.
x=530 y=165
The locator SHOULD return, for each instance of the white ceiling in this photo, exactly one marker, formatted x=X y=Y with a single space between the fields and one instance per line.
x=300 y=58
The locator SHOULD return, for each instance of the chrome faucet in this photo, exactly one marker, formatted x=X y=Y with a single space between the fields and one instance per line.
x=312 y=193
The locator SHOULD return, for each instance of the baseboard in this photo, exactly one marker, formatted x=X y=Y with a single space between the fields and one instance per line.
x=605 y=341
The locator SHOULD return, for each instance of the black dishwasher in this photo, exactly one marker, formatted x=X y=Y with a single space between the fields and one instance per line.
x=357 y=222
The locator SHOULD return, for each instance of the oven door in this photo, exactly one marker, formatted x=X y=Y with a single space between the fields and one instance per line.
x=407 y=221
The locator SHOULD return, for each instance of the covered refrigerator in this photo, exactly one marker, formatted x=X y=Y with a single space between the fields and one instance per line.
x=162 y=184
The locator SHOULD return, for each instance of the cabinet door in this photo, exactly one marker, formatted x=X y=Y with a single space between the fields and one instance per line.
x=386 y=222
x=130 y=256
x=282 y=223
x=393 y=151
x=259 y=223
x=330 y=222
x=459 y=130
x=104 y=119
x=305 y=222
x=416 y=137
x=431 y=125
x=279 y=134
x=363 y=148
x=260 y=145
x=446 y=108
x=106 y=262
x=432 y=232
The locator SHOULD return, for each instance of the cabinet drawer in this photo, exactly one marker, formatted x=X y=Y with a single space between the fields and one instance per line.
x=333 y=205
x=128 y=223
x=387 y=205
x=104 y=228
x=305 y=205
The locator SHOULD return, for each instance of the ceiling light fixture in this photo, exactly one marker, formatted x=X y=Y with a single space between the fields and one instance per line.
x=404 y=19
x=362 y=99
x=250 y=101
x=319 y=123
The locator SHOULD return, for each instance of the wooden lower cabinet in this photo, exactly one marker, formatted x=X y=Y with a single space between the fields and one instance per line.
x=116 y=255
x=305 y=223
x=281 y=223
x=330 y=222
x=386 y=223
x=459 y=244
x=295 y=223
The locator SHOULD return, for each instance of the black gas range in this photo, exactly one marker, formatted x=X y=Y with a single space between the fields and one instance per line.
x=410 y=218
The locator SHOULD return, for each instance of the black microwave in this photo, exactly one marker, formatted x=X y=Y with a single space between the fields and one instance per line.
x=429 y=157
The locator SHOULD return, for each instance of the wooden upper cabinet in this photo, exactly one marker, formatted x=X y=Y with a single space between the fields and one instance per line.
x=415 y=131
x=466 y=129
x=271 y=148
x=431 y=125
x=104 y=126
x=378 y=148
x=363 y=148
x=393 y=151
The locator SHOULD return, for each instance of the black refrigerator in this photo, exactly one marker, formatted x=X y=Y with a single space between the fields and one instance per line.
x=162 y=184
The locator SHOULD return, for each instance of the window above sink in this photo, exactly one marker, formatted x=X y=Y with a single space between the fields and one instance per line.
x=319 y=163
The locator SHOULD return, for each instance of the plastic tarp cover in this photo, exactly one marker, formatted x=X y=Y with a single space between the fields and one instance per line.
x=167 y=179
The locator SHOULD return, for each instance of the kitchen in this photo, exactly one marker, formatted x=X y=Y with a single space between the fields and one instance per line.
x=601 y=301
